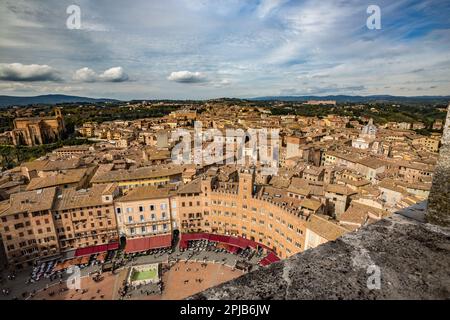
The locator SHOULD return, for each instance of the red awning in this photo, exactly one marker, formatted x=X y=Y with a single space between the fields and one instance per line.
x=271 y=257
x=96 y=249
x=235 y=241
x=193 y=236
x=144 y=244
x=232 y=249
x=264 y=262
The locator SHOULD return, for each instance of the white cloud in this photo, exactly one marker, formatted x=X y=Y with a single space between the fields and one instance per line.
x=266 y=6
x=85 y=75
x=187 y=77
x=115 y=74
x=30 y=72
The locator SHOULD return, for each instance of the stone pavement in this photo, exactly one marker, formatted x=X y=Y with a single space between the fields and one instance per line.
x=18 y=286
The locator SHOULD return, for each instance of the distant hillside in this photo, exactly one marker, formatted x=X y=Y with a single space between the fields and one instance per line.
x=7 y=101
x=362 y=99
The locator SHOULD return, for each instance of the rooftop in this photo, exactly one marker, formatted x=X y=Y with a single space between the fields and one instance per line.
x=138 y=174
x=29 y=201
x=72 y=198
x=66 y=177
x=145 y=193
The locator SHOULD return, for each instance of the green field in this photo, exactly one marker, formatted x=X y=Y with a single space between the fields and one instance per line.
x=144 y=275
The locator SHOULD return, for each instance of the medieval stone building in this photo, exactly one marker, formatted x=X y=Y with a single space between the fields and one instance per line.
x=38 y=130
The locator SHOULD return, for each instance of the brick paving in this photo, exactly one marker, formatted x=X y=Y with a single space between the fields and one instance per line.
x=102 y=290
x=179 y=283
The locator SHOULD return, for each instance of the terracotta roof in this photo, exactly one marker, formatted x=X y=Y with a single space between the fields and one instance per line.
x=191 y=187
x=30 y=201
x=325 y=228
x=311 y=204
x=339 y=189
x=66 y=177
x=138 y=174
x=358 y=213
x=47 y=165
x=372 y=163
x=72 y=198
x=144 y=193
x=391 y=185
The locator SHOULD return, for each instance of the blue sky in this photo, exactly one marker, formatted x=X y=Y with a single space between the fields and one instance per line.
x=189 y=49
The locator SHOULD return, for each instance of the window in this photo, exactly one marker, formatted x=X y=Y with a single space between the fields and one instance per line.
x=130 y=218
x=142 y=217
x=143 y=230
x=132 y=230
x=141 y=208
x=163 y=206
x=153 y=216
x=129 y=210
x=163 y=215
x=164 y=226
x=152 y=207
x=154 y=228
x=118 y=210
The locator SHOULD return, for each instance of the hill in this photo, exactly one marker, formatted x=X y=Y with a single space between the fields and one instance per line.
x=8 y=101
x=361 y=99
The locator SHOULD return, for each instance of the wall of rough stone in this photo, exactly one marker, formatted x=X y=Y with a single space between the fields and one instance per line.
x=439 y=198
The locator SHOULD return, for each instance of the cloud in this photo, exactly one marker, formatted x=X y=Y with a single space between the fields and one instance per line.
x=187 y=77
x=86 y=74
x=28 y=72
x=323 y=90
x=266 y=6
x=115 y=74
x=261 y=46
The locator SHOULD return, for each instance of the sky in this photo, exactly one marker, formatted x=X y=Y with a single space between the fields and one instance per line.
x=202 y=49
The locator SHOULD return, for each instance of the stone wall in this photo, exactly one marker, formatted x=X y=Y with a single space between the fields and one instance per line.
x=439 y=198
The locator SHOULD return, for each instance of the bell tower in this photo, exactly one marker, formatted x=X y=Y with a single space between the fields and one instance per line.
x=58 y=113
